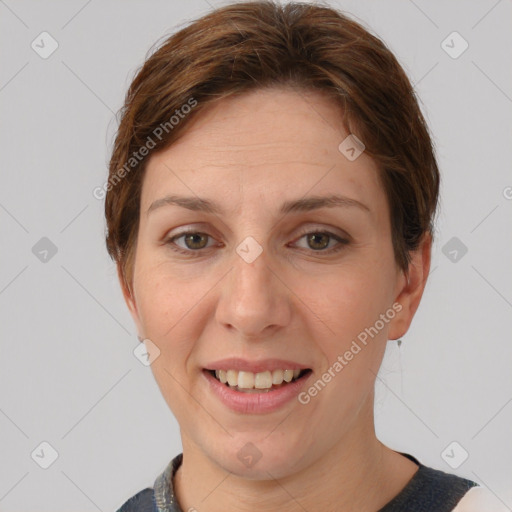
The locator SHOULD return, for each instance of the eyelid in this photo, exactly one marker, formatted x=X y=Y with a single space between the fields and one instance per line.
x=304 y=229
x=202 y=228
x=330 y=230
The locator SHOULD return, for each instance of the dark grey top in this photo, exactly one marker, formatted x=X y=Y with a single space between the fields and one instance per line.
x=429 y=490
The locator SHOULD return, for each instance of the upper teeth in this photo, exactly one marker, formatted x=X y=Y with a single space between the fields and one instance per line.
x=250 y=380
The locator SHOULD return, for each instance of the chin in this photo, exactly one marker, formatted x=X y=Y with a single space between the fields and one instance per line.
x=258 y=460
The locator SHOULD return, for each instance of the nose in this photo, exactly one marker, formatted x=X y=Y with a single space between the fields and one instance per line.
x=254 y=301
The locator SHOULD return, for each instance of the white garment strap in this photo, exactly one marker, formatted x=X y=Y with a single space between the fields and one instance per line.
x=479 y=499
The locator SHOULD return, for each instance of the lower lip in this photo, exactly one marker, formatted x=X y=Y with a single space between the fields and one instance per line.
x=255 y=403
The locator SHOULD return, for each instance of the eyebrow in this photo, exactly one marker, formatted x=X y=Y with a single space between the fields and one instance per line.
x=297 y=205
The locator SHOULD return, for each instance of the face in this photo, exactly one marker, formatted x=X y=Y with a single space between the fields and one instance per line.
x=270 y=270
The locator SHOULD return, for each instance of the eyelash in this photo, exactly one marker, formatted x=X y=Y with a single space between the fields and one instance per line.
x=342 y=242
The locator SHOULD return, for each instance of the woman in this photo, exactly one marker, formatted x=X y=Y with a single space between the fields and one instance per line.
x=270 y=208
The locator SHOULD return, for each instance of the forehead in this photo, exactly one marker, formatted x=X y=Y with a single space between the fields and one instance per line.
x=268 y=143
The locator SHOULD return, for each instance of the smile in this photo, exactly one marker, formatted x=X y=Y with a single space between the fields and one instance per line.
x=265 y=381
x=251 y=400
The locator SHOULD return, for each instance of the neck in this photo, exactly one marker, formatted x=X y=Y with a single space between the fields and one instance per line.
x=357 y=473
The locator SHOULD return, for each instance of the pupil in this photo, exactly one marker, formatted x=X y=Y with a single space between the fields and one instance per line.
x=194 y=238
x=315 y=243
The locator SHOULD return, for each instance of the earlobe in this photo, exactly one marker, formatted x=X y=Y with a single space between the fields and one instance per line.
x=411 y=287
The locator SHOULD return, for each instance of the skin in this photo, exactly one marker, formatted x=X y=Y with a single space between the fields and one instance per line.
x=250 y=154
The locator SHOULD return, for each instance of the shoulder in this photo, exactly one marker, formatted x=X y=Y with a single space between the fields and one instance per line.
x=444 y=483
x=430 y=490
x=479 y=499
x=143 y=501
x=160 y=496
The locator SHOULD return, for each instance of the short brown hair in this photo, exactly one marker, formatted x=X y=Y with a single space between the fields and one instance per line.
x=250 y=45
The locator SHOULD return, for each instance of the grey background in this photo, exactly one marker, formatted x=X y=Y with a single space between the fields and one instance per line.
x=68 y=375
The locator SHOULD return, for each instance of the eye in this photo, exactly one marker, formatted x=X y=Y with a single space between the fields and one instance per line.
x=190 y=242
x=193 y=241
x=319 y=241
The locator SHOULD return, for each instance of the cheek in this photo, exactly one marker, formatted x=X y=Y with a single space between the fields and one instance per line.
x=163 y=298
x=347 y=300
x=169 y=312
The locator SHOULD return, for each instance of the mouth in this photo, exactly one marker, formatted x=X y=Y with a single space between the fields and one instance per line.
x=261 y=382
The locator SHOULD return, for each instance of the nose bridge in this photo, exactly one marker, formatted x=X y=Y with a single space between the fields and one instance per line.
x=252 y=299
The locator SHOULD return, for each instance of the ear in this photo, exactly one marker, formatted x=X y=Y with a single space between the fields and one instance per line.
x=410 y=287
x=130 y=300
